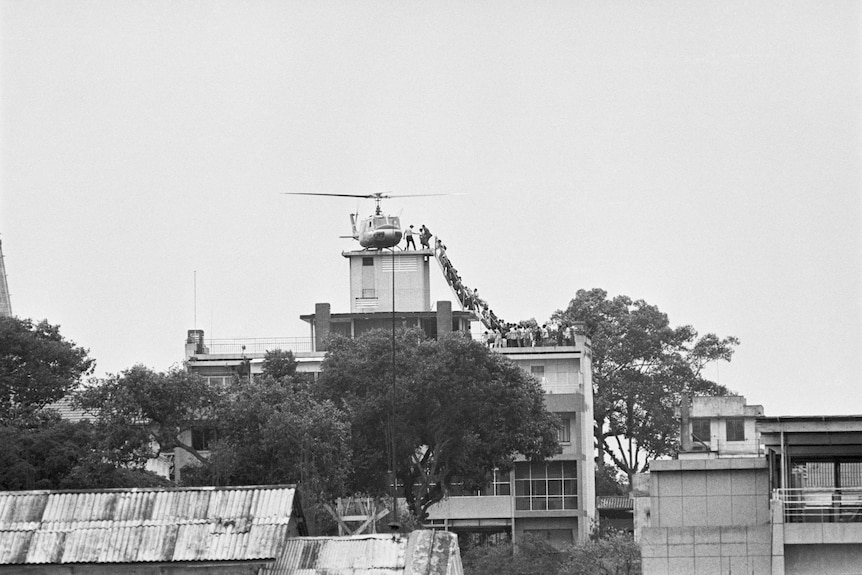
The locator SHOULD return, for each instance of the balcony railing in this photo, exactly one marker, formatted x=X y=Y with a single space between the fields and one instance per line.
x=259 y=345
x=724 y=448
x=821 y=504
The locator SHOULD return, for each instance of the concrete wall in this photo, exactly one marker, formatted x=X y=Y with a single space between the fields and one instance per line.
x=412 y=281
x=832 y=559
x=709 y=492
x=707 y=550
x=707 y=516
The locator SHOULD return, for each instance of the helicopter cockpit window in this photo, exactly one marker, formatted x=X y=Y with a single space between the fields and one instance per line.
x=380 y=221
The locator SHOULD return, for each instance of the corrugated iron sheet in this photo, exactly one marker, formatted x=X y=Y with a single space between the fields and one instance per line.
x=614 y=502
x=144 y=525
x=419 y=553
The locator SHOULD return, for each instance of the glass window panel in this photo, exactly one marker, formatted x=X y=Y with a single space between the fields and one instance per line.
x=570 y=503
x=700 y=431
x=564 y=434
x=538 y=470
x=555 y=503
x=570 y=487
x=504 y=489
x=522 y=503
x=522 y=487
x=539 y=487
x=539 y=503
x=555 y=487
x=555 y=469
x=735 y=430
x=570 y=469
x=522 y=471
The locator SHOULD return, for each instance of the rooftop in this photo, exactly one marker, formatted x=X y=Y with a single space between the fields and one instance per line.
x=146 y=525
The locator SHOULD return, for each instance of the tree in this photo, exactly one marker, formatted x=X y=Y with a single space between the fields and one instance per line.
x=452 y=409
x=46 y=452
x=641 y=368
x=276 y=431
x=613 y=553
x=532 y=556
x=142 y=413
x=37 y=366
x=267 y=429
x=279 y=364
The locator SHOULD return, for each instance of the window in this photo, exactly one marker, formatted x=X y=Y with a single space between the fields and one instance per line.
x=735 y=430
x=700 y=432
x=564 y=434
x=499 y=484
x=369 y=293
x=203 y=438
x=538 y=371
x=367 y=262
x=541 y=487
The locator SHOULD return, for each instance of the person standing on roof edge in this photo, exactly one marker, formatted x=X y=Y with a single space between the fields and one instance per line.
x=424 y=237
x=408 y=238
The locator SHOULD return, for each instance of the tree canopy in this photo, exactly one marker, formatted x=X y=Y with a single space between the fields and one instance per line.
x=37 y=366
x=641 y=368
x=141 y=413
x=453 y=409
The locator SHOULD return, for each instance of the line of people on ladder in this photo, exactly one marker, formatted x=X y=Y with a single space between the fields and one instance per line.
x=469 y=298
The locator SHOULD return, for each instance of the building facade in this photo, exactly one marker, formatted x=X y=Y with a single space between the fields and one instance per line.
x=754 y=494
x=388 y=289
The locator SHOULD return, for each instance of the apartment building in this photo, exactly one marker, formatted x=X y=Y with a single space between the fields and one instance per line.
x=554 y=500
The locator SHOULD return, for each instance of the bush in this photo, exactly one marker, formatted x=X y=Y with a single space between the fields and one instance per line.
x=613 y=553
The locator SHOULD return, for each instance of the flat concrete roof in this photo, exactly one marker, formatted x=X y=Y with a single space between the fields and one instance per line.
x=432 y=314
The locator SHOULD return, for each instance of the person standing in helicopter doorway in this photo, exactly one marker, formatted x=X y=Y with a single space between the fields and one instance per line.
x=424 y=237
x=408 y=237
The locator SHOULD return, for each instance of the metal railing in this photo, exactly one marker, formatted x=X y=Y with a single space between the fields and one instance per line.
x=259 y=345
x=820 y=504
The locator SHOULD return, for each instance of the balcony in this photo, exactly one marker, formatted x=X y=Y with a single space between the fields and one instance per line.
x=820 y=504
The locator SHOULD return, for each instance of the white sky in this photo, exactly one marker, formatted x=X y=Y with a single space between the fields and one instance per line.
x=703 y=156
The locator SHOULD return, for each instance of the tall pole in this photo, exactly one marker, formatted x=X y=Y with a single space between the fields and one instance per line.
x=393 y=463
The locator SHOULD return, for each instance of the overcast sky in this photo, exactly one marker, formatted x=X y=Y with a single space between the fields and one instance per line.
x=703 y=156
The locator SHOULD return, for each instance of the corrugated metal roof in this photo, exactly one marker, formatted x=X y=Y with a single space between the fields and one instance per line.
x=423 y=552
x=145 y=525
x=614 y=502
x=64 y=408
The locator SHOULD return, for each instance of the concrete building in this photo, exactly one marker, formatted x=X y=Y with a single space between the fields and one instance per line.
x=392 y=288
x=754 y=494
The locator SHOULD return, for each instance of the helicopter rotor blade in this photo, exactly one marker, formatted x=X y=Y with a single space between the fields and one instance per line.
x=374 y=196
x=368 y=196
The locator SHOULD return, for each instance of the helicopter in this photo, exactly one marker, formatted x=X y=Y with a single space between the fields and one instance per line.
x=377 y=231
